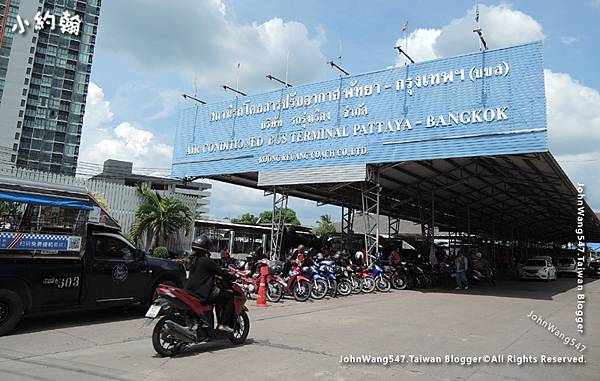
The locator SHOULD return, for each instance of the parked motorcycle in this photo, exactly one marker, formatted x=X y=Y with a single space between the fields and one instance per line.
x=382 y=283
x=326 y=270
x=296 y=284
x=319 y=287
x=344 y=281
x=366 y=280
x=187 y=320
x=400 y=277
x=250 y=284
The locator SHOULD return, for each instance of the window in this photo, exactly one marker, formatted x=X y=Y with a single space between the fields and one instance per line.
x=112 y=248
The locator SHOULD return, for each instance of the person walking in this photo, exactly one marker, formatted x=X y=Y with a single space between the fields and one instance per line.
x=462 y=265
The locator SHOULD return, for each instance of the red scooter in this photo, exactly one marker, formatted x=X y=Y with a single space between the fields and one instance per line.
x=251 y=284
x=187 y=320
x=296 y=284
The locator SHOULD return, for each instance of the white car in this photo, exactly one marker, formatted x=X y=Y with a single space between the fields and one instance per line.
x=538 y=268
x=566 y=265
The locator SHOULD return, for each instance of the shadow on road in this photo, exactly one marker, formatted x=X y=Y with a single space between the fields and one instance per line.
x=47 y=322
x=529 y=289
x=211 y=346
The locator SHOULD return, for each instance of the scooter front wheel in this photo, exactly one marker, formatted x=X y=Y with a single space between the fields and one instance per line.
x=320 y=289
x=163 y=342
x=274 y=291
x=368 y=285
x=382 y=284
x=301 y=290
x=356 y=285
x=241 y=329
x=399 y=281
x=344 y=288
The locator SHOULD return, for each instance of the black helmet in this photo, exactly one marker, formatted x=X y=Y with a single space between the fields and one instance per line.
x=202 y=245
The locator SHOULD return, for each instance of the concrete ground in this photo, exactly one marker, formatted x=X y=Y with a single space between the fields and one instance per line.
x=305 y=340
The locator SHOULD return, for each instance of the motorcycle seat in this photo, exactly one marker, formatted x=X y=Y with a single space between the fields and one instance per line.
x=200 y=298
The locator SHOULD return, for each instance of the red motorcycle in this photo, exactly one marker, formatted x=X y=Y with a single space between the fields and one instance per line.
x=365 y=278
x=250 y=284
x=298 y=285
x=187 y=319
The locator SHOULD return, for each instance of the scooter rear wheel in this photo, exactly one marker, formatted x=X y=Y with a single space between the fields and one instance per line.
x=164 y=344
x=368 y=285
x=382 y=284
x=356 y=285
x=344 y=288
x=241 y=329
x=399 y=281
x=274 y=291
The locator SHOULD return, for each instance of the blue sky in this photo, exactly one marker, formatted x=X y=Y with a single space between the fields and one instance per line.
x=149 y=52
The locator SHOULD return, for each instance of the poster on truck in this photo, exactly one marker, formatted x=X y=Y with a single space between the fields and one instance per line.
x=33 y=241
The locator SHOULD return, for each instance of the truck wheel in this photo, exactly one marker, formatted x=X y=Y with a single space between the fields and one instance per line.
x=11 y=310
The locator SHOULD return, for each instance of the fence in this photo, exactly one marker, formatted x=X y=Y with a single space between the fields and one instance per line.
x=122 y=200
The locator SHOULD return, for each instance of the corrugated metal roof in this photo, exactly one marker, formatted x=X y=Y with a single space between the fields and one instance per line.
x=520 y=196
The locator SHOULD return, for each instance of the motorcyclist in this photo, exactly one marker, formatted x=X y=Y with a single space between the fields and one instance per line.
x=297 y=257
x=202 y=282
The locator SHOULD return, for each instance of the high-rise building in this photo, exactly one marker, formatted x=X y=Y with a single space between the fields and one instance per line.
x=44 y=76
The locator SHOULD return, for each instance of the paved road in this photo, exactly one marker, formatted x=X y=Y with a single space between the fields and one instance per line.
x=305 y=341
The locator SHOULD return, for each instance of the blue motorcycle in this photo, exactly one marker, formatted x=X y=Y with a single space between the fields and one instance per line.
x=326 y=270
x=382 y=283
x=318 y=283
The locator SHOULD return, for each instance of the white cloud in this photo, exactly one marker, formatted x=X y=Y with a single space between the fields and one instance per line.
x=100 y=141
x=419 y=45
x=569 y=40
x=502 y=26
x=205 y=43
x=574 y=130
x=573 y=115
x=97 y=111
x=572 y=108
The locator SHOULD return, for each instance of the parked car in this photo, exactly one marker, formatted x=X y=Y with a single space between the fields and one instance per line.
x=566 y=265
x=594 y=268
x=538 y=268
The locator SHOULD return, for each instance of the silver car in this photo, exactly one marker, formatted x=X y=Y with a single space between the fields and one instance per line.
x=566 y=265
x=538 y=268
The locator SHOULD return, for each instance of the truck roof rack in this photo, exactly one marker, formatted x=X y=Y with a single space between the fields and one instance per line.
x=12 y=184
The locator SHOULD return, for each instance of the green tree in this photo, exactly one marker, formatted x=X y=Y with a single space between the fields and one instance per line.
x=99 y=197
x=159 y=216
x=246 y=218
x=289 y=216
x=10 y=211
x=326 y=227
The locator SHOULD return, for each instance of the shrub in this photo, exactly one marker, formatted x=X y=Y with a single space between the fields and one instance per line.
x=160 y=252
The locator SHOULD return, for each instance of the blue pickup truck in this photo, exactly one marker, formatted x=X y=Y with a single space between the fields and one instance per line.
x=59 y=250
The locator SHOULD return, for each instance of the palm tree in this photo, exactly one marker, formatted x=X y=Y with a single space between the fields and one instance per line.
x=160 y=216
